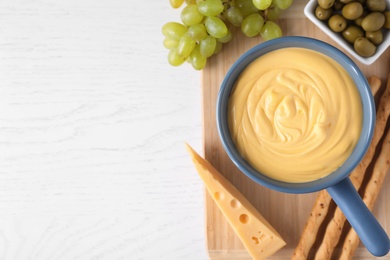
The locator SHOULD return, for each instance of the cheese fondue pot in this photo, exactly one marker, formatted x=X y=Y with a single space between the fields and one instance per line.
x=336 y=183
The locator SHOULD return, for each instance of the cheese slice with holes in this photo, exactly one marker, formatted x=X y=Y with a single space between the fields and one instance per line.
x=258 y=236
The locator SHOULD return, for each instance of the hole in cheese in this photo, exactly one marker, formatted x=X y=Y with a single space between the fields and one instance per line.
x=244 y=218
x=218 y=195
x=234 y=203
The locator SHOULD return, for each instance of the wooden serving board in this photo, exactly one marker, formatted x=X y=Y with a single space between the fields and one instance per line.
x=286 y=212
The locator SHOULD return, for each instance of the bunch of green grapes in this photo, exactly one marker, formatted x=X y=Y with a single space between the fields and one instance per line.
x=205 y=26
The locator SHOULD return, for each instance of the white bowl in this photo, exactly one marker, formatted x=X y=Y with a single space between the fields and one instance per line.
x=337 y=37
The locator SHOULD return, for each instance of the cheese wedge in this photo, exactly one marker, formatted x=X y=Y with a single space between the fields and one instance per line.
x=258 y=236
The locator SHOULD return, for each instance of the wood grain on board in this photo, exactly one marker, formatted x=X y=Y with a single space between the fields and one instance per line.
x=286 y=212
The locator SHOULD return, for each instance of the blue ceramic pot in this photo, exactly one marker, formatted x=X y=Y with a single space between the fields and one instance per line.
x=337 y=183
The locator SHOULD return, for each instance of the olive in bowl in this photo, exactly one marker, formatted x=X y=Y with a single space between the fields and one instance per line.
x=361 y=27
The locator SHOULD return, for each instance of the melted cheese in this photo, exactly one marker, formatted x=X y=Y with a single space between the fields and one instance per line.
x=295 y=115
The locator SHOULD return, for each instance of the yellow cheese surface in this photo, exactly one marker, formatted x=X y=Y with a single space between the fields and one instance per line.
x=295 y=115
x=258 y=236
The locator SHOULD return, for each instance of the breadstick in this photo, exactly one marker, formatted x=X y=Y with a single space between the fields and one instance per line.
x=309 y=234
x=320 y=207
x=335 y=226
x=381 y=167
x=375 y=84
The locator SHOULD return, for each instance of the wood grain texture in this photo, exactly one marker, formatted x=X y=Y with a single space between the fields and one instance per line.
x=287 y=213
x=93 y=123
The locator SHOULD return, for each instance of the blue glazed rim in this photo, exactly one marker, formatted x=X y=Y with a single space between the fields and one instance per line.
x=357 y=76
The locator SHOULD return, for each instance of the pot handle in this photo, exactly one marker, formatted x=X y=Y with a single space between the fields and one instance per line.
x=359 y=216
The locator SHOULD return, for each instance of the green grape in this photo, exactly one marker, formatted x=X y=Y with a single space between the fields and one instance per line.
x=216 y=27
x=218 y=48
x=283 y=4
x=204 y=29
x=272 y=13
x=174 y=58
x=185 y=45
x=246 y=7
x=190 y=15
x=176 y=3
x=174 y=30
x=234 y=16
x=262 y=4
x=210 y=7
x=252 y=24
x=270 y=30
x=170 y=43
x=207 y=46
x=226 y=38
x=197 y=60
x=197 y=32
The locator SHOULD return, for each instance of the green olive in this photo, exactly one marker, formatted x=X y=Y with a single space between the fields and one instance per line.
x=364 y=47
x=326 y=4
x=376 y=5
x=359 y=21
x=352 y=33
x=375 y=37
x=387 y=20
x=352 y=11
x=323 y=14
x=338 y=5
x=373 y=21
x=337 y=23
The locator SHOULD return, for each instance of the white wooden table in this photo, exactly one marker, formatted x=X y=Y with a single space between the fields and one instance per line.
x=93 y=123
